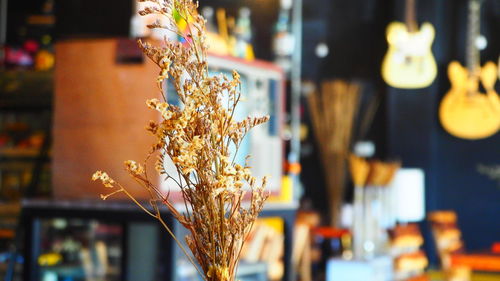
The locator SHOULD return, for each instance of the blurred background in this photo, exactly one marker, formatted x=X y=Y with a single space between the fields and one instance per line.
x=384 y=160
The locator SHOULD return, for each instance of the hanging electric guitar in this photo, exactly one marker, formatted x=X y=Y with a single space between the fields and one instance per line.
x=409 y=63
x=465 y=112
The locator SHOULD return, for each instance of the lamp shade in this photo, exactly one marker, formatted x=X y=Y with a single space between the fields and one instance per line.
x=409 y=195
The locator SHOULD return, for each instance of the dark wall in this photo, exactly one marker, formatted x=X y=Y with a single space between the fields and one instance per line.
x=407 y=125
x=111 y=18
x=354 y=32
x=92 y=18
x=416 y=136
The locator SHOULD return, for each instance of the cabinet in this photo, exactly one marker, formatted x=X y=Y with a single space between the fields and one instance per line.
x=117 y=241
x=26 y=87
x=25 y=122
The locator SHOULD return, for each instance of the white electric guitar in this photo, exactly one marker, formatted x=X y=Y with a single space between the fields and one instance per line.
x=409 y=63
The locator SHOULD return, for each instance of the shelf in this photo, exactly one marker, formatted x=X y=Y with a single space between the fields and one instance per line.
x=19 y=152
x=26 y=90
x=20 y=105
x=12 y=153
x=65 y=270
x=9 y=209
x=7 y=233
x=76 y=271
x=8 y=219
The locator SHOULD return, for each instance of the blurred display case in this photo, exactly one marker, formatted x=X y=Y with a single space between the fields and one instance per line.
x=92 y=241
x=25 y=122
x=75 y=240
x=79 y=249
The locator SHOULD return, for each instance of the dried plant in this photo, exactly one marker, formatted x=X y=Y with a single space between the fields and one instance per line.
x=333 y=111
x=197 y=137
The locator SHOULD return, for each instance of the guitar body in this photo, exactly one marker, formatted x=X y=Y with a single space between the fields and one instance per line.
x=409 y=63
x=466 y=113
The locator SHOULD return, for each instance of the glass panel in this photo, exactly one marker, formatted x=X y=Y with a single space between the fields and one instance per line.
x=76 y=249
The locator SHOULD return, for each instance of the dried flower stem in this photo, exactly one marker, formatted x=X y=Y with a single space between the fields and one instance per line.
x=197 y=137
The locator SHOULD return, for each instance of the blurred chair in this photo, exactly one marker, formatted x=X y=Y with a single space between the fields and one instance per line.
x=448 y=241
x=405 y=247
x=302 y=249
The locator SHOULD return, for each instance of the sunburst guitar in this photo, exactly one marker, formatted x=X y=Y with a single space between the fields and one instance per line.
x=409 y=62
x=465 y=112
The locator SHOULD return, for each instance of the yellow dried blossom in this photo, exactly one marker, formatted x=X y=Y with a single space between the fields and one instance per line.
x=104 y=178
x=196 y=136
x=133 y=167
x=159 y=167
x=152 y=103
x=152 y=127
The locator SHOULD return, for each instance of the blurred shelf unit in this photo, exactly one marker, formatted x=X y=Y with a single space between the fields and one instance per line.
x=21 y=153
x=124 y=243
x=25 y=123
x=26 y=90
x=8 y=211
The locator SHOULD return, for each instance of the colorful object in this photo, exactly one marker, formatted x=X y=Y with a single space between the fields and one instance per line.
x=49 y=259
x=286 y=194
x=480 y=262
x=31 y=46
x=216 y=43
x=17 y=56
x=182 y=25
x=496 y=248
x=44 y=60
x=243 y=34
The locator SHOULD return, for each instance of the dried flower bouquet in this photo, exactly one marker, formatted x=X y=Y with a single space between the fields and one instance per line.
x=197 y=137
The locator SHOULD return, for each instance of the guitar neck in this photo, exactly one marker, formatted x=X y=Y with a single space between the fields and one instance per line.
x=410 y=17
x=473 y=32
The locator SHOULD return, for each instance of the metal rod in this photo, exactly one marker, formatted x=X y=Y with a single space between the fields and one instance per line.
x=296 y=83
